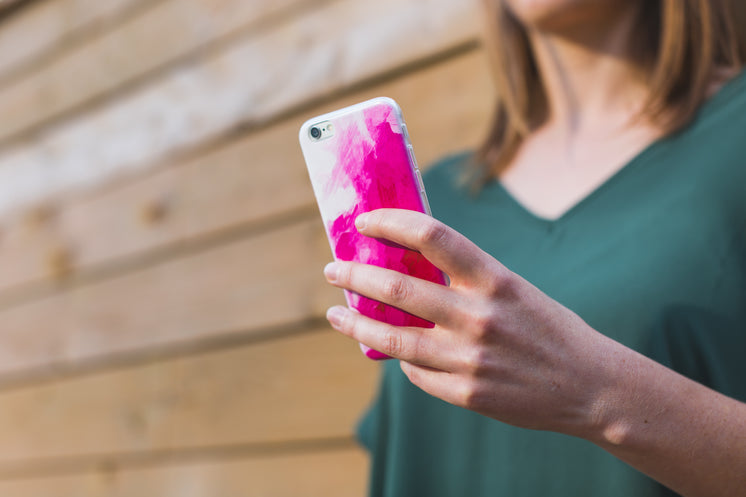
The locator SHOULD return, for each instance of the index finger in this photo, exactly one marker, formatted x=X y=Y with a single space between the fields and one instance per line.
x=446 y=248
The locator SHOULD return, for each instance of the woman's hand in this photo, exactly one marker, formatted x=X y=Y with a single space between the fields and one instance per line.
x=499 y=346
x=502 y=348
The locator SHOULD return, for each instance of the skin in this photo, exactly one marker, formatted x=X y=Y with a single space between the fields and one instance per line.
x=594 y=91
x=502 y=348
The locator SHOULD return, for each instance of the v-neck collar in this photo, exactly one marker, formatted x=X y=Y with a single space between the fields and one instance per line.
x=644 y=156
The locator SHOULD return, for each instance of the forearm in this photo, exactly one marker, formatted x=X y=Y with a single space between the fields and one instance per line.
x=502 y=348
x=684 y=435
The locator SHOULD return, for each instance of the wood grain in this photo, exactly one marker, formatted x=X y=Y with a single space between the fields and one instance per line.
x=161 y=290
x=307 y=387
x=41 y=28
x=334 y=47
x=339 y=473
x=6 y=5
x=255 y=177
x=241 y=287
x=169 y=30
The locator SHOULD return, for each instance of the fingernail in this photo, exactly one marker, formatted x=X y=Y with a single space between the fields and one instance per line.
x=360 y=222
x=330 y=271
x=335 y=315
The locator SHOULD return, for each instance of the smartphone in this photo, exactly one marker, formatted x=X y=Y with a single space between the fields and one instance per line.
x=360 y=159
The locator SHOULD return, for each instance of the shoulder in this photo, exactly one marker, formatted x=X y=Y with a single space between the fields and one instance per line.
x=713 y=146
x=702 y=168
x=725 y=110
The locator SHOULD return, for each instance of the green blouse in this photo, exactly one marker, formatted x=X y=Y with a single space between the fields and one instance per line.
x=655 y=258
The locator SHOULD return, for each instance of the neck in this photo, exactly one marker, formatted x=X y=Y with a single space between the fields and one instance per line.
x=589 y=75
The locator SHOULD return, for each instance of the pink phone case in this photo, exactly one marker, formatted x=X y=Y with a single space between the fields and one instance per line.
x=361 y=161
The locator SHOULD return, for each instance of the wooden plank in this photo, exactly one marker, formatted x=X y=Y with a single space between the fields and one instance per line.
x=168 y=31
x=268 y=280
x=307 y=387
x=6 y=5
x=44 y=26
x=339 y=473
x=252 y=81
x=446 y=107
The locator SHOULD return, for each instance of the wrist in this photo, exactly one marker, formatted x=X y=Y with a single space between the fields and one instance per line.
x=637 y=401
x=615 y=395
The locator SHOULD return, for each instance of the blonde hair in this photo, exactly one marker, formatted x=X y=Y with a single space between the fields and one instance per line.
x=680 y=44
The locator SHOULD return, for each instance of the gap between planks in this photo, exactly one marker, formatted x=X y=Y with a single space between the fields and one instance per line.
x=112 y=269
x=174 y=250
x=128 y=86
x=9 y=8
x=147 y=459
x=193 y=347
x=243 y=129
x=76 y=38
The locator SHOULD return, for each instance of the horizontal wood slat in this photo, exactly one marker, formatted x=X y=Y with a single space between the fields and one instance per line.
x=339 y=473
x=331 y=48
x=161 y=296
x=44 y=25
x=7 y=5
x=310 y=386
x=168 y=31
x=240 y=287
x=254 y=177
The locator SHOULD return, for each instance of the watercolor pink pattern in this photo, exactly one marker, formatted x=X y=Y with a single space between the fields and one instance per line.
x=377 y=167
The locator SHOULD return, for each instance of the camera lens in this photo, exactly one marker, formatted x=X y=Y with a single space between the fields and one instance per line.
x=315 y=132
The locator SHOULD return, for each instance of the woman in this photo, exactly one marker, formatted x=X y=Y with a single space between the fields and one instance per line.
x=614 y=180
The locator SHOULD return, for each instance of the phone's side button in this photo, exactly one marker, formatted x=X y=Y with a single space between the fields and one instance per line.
x=412 y=160
x=404 y=131
x=419 y=181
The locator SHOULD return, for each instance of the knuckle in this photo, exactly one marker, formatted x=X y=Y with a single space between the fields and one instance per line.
x=510 y=284
x=419 y=347
x=392 y=343
x=483 y=321
x=475 y=362
x=431 y=232
x=397 y=289
x=501 y=283
x=471 y=395
x=493 y=285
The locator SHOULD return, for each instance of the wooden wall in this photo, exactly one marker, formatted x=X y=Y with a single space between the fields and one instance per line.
x=161 y=296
